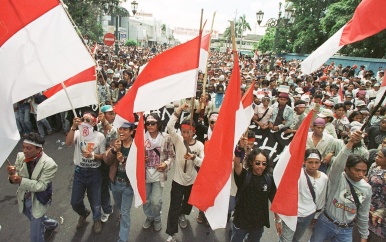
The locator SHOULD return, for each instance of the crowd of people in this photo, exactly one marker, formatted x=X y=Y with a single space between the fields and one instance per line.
x=342 y=191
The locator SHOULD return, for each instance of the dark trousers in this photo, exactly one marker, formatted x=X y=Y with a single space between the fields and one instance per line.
x=179 y=197
x=105 y=189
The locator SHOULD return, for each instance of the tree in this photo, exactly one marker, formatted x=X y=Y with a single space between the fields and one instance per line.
x=241 y=26
x=337 y=15
x=131 y=43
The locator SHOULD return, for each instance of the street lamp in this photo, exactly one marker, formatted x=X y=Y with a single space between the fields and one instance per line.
x=134 y=7
x=287 y=19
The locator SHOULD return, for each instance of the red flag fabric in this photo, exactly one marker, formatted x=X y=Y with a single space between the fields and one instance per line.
x=81 y=90
x=135 y=164
x=204 y=50
x=169 y=76
x=30 y=61
x=203 y=195
x=287 y=172
x=368 y=20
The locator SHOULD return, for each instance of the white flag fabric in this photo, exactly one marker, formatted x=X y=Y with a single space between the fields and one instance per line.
x=39 y=48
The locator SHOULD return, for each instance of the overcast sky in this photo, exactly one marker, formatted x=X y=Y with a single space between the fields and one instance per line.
x=186 y=13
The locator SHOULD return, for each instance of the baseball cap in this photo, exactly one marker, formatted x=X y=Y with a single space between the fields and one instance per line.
x=128 y=125
x=326 y=113
x=106 y=108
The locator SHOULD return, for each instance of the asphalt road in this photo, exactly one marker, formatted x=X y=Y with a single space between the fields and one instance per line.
x=15 y=226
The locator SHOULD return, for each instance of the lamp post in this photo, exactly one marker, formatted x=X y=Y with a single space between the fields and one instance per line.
x=111 y=8
x=287 y=19
x=134 y=7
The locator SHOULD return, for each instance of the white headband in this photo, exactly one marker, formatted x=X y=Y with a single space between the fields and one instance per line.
x=32 y=143
x=314 y=156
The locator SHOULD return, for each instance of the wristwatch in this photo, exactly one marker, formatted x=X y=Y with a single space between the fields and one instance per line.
x=277 y=220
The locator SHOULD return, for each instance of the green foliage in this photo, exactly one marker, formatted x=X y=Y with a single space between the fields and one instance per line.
x=131 y=43
x=337 y=15
x=86 y=15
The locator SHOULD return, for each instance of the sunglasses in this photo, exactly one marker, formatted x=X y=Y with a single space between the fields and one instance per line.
x=150 y=123
x=86 y=119
x=260 y=162
x=212 y=122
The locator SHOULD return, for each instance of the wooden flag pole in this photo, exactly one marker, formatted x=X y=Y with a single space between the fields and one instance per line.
x=207 y=60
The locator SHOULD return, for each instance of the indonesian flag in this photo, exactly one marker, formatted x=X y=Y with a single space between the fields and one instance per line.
x=369 y=19
x=211 y=190
x=39 y=48
x=381 y=92
x=135 y=164
x=81 y=91
x=204 y=52
x=169 y=76
x=287 y=173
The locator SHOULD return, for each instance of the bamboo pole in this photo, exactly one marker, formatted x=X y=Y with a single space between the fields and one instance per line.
x=207 y=60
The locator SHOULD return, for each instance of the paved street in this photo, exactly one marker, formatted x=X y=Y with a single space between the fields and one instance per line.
x=15 y=226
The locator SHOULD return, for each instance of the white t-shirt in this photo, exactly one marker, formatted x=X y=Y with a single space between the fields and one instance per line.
x=96 y=145
x=306 y=204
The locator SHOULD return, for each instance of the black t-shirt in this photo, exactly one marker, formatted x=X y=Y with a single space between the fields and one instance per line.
x=251 y=210
x=376 y=136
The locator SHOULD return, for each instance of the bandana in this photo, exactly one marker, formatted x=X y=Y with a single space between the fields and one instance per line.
x=87 y=131
x=187 y=126
x=151 y=143
x=151 y=119
x=27 y=141
x=26 y=160
x=313 y=156
x=300 y=106
x=213 y=117
x=88 y=115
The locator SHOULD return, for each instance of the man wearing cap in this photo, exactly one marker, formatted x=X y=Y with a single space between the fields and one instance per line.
x=328 y=104
x=121 y=187
x=110 y=74
x=328 y=116
x=282 y=114
x=323 y=142
x=89 y=148
x=189 y=153
x=105 y=126
x=33 y=172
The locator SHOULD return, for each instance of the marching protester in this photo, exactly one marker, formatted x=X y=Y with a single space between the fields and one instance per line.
x=105 y=126
x=255 y=186
x=33 y=172
x=348 y=198
x=159 y=157
x=189 y=154
x=88 y=155
x=121 y=187
x=312 y=193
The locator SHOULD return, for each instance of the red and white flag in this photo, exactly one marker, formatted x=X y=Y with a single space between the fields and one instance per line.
x=204 y=52
x=341 y=96
x=211 y=190
x=135 y=164
x=168 y=77
x=369 y=19
x=94 y=49
x=39 y=49
x=381 y=92
x=81 y=90
x=286 y=175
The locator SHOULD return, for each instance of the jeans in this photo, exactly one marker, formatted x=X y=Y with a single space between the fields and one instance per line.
x=38 y=225
x=105 y=189
x=301 y=226
x=123 y=197
x=43 y=123
x=87 y=179
x=179 y=196
x=325 y=230
x=152 y=207
x=238 y=235
x=24 y=115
